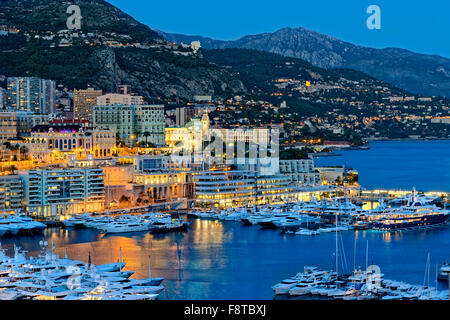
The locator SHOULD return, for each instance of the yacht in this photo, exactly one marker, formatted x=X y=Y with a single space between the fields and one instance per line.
x=125 y=226
x=307 y=232
x=13 y=224
x=415 y=214
x=444 y=272
x=429 y=200
x=284 y=286
x=77 y=221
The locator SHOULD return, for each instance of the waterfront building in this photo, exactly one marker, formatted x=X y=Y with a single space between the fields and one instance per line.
x=8 y=126
x=133 y=123
x=117 y=98
x=64 y=191
x=83 y=102
x=300 y=171
x=11 y=194
x=225 y=187
x=31 y=94
x=338 y=174
x=164 y=186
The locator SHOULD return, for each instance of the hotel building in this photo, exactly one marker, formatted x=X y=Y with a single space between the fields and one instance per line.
x=62 y=192
x=133 y=123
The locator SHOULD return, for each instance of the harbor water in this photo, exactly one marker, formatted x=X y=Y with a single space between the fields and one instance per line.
x=227 y=260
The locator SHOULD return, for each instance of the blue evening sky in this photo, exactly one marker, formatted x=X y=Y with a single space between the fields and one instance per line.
x=417 y=25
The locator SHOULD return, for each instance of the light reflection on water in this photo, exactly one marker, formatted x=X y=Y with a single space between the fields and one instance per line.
x=225 y=260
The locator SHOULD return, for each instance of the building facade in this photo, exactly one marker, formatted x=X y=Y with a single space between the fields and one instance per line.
x=31 y=94
x=165 y=186
x=3 y=98
x=63 y=192
x=117 y=98
x=225 y=188
x=301 y=171
x=27 y=120
x=83 y=102
x=8 y=126
x=50 y=143
x=133 y=123
x=11 y=194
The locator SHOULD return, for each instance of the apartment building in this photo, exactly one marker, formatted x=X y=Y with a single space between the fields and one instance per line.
x=8 y=126
x=11 y=194
x=64 y=191
x=31 y=94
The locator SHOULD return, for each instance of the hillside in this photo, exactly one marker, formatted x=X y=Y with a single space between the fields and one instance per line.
x=418 y=73
x=110 y=49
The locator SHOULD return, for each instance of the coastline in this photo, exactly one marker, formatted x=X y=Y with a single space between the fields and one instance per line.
x=407 y=139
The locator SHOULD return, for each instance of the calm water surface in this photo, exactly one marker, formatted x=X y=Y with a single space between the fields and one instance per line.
x=399 y=164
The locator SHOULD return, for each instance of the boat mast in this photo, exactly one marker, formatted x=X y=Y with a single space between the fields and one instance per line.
x=354 y=262
x=108 y=196
x=149 y=269
x=337 y=247
x=120 y=258
x=367 y=254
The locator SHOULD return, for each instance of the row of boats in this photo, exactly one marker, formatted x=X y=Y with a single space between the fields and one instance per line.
x=361 y=285
x=49 y=277
x=315 y=217
x=126 y=223
x=12 y=225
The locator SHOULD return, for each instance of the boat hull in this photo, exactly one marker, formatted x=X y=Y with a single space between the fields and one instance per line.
x=411 y=223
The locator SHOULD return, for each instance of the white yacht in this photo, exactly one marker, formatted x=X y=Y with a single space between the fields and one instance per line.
x=307 y=232
x=444 y=272
x=125 y=226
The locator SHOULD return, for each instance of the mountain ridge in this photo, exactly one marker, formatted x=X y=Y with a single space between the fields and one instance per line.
x=416 y=72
